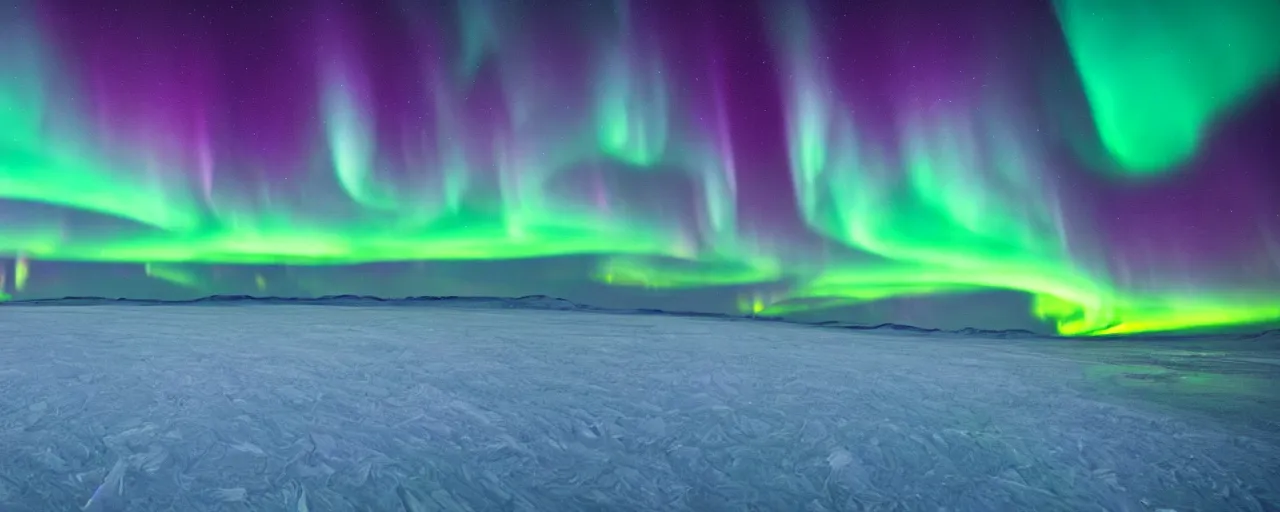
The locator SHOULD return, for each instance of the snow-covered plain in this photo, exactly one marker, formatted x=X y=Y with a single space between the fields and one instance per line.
x=382 y=408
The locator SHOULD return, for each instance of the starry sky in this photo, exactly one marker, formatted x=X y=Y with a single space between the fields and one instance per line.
x=1084 y=167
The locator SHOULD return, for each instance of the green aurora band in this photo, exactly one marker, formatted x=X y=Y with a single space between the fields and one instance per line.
x=1158 y=75
x=961 y=200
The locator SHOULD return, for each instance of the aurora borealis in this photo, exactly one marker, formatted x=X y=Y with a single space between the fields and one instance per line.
x=1093 y=166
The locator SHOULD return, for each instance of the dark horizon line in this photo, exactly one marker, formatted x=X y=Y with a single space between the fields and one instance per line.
x=546 y=302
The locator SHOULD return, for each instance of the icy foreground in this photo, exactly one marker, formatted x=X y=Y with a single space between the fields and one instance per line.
x=314 y=408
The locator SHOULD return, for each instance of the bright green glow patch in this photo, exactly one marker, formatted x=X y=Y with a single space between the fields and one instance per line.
x=676 y=273
x=1167 y=313
x=21 y=272
x=1157 y=74
x=1127 y=313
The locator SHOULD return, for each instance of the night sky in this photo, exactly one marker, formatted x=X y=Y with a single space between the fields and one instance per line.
x=1079 y=166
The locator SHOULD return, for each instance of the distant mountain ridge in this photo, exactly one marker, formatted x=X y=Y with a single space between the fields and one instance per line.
x=544 y=302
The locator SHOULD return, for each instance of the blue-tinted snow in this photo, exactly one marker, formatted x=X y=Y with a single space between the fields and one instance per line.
x=310 y=408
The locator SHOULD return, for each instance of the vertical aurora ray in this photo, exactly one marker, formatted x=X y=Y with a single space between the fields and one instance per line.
x=352 y=145
x=647 y=149
x=1159 y=75
x=350 y=128
x=632 y=114
x=479 y=35
x=641 y=124
x=822 y=146
x=21 y=272
x=632 y=105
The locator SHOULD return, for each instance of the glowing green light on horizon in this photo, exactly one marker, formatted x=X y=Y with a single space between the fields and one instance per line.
x=21 y=272
x=676 y=273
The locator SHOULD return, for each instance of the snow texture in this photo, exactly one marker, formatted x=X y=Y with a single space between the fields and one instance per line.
x=375 y=408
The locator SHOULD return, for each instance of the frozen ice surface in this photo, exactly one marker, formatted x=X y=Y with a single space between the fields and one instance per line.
x=314 y=408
